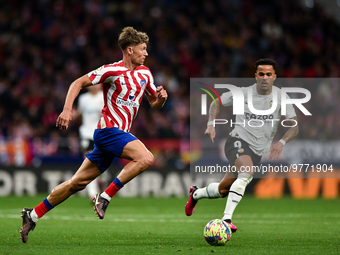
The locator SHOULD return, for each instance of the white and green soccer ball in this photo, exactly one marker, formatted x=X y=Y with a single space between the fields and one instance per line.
x=217 y=232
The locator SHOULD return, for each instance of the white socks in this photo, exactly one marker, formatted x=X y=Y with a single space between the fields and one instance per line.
x=106 y=196
x=211 y=191
x=236 y=193
x=34 y=216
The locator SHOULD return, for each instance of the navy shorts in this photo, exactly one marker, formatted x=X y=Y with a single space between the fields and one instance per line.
x=236 y=147
x=108 y=144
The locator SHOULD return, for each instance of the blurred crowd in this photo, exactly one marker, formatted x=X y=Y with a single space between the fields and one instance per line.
x=45 y=45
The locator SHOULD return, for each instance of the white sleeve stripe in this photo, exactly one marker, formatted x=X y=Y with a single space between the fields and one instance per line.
x=112 y=111
x=99 y=74
x=133 y=87
x=121 y=95
x=142 y=89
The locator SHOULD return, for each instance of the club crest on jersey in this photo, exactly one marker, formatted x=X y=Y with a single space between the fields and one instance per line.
x=131 y=97
x=240 y=150
x=271 y=103
x=142 y=83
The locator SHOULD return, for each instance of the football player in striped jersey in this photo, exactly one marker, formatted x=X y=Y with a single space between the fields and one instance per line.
x=124 y=84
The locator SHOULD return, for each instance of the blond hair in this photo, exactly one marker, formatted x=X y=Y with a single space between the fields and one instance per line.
x=131 y=37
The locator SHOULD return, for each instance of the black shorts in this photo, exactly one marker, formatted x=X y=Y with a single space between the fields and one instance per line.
x=86 y=145
x=236 y=147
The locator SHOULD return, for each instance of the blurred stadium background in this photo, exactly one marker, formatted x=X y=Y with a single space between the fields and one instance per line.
x=45 y=45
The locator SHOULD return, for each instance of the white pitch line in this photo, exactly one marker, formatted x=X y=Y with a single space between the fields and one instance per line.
x=180 y=215
x=161 y=220
x=94 y=218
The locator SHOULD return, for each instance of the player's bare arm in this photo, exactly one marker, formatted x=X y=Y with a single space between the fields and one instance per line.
x=213 y=111
x=158 y=100
x=276 y=149
x=65 y=116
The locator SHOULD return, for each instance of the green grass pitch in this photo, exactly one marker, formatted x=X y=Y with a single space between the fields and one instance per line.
x=159 y=226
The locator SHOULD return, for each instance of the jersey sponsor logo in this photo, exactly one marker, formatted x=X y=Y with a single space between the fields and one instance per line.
x=142 y=83
x=127 y=103
x=258 y=117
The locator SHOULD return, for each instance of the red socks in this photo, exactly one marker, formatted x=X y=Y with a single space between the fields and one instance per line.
x=114 y=187
x=43 y=208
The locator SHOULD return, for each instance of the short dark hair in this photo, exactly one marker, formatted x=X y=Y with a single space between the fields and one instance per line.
x=265 y=61
x=131 y=37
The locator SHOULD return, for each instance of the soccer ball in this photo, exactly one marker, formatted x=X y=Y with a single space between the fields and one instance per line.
x=217 y=232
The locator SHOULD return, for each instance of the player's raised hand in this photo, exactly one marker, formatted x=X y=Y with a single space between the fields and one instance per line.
x=275 y=150
x=161 y=93
x=210 y=131
x=64 y=120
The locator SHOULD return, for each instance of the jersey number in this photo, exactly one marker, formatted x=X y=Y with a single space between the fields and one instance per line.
x=238 y=145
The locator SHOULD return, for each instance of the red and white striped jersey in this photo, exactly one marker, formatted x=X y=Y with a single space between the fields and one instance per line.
x=123 y=91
